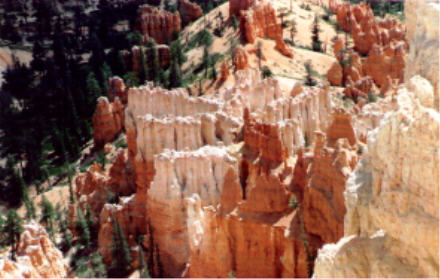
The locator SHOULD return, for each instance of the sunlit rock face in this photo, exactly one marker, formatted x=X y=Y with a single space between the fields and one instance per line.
x=189 y=11
x=422 y=31
x=108 y=121
x=157 y=24
x=37 y=256
x=395 y=185
x=260 y=20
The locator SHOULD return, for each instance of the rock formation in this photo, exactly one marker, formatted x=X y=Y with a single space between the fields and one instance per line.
x=157 y=24
x=116 y=88
x=236 y=6
x=189 y=11
x=163 y=53
x=386 y=193
x=240 y=58
x=224 y=74
x=422 y=23
x=37 y=256
x=260 y=21
x=108 y=120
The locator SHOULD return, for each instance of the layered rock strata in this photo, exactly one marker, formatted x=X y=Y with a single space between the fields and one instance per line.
x=189 y=11
x=157 y=24
x=260 y=21
x=37 y=256
x=108 y=121
x=386 y=193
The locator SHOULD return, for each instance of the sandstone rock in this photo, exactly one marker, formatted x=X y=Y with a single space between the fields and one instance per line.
x=224 y=72
x=163 y=56
x=116 y=88
x=108 y=120
x=37 y=256
x=240 y=58
x=341 y=127
x=335 y=74
x=422 y=22
x=261 y=21
x=391 y=189
x=360 y=88
x=338 y=45
x=236 y=6
x=157 y=24
x=180 y=175
x=189 y=11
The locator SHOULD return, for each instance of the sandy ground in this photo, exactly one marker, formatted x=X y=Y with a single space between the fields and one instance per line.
x=281 y=66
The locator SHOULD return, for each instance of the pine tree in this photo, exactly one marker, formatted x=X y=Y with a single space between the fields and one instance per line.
x=38 y=62
x=30 y=207
x=293 y=31
x=316 y=42
x=81 y=226
x=177 y=53
x=143 y=268
x=143 y=71
x=206 y=60
x=153 y=60
x=175 y=79
x=163 y=78
x=98 y=266
x=214 y=72
x=13 y=228
x=259 y=53
x=90 y=223
x=309 y=74
x=120 y=252
x=93 y=86
x=106 y=73
x=47 y=215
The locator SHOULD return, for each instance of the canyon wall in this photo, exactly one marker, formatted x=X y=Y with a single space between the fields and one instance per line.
x=189 y=11
x=37 y=256
x=395 y=185
x=157 y=24
x=108 y=121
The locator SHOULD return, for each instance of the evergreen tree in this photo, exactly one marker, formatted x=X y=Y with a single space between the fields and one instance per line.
x=93 y=86
x=259 y=53
x=106 y=73
x=163 y=78
x=153 y=60
x=98 y=266
x=177 y=52
x=90 y=223
x=47 y=215
x=13 y=228
x=309 y=74
x=143 y=268
x=120 y=252
x=293 y=31
x=206 y=60
x=175 y=79
x=143 y=72
x=82 y=227
x=214 y=72
x=39 y=53
x=316 y=42
x=29 y=205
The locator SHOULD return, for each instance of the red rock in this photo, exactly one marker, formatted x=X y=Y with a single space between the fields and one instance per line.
x=157 y=24
x=236 y=6
x=341 y=127
x=360 y=88
x=116 y=88
x=335 y=75
x=163 y=56
x=338 y=46
x=37 y=256
x=108 y=121
x=240 y=58
x=261 y=21
x=224 y=72
x=189 y=11
x=323 y=204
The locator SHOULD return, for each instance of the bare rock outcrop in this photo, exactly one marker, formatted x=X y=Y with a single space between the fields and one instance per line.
x=37 y=256
x=224 y=73
x=236 y=6
x=189 y=11
x=116 y=88
x=157 y=24
x=394 y=185
x=108 y=120
x=240 y=58
x=260 y=21
x=422 y=23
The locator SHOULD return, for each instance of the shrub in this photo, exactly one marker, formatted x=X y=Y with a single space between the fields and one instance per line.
x=266 y=72
x=293 y=203
x=371 y=97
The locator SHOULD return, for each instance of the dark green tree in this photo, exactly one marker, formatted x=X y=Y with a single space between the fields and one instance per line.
x=316 y=42
x=310 y=81
x=82 y=227
x=120 y=252
x=152 y=58
x=143 y=267
x=93 y=86
x=13 y=229
x=175 y=79
x=47 y=215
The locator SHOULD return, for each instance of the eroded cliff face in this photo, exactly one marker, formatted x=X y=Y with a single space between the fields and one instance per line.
x=189 y=11
x=157 y=24
x=108 y=121
x=422 y=25
x=260 y=20
x=37 y=256
x=395 y=185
